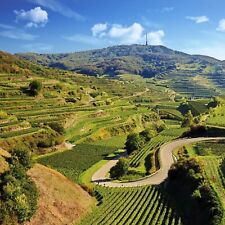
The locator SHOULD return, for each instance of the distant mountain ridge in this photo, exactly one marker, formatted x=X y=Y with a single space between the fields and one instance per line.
x=135 y=59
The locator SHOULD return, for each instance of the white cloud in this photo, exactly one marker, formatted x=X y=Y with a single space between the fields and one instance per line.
x=198 y=19
x=35 y=17
x=126 y=34
x=98 y=29
x=155 y=38
x=5 y=26
x=105 y=34
x=215 y=50
x=12 y=32
x=17 y=34
x=58 y=7
x=221 y=26
x=167 y=9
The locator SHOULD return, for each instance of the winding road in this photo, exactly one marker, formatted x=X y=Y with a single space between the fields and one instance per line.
x=166 y=160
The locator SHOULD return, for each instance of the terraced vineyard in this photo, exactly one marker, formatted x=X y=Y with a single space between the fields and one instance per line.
x=199 y=106
x=189 y=87
x=217 y=116
x=152 y=146
x=81 y=110
x=171 y=111
x=215 y=176
x=147 y=205
x=64 y=161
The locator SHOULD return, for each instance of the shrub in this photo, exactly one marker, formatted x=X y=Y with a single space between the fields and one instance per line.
x=23 y=156
x=94 y=94
x=47 y=143
x=188 y=120
x=57 y=127
x=120 y=169
x=198 y=201
x=18 y=193
x=3 y=115
x=147 y=134
x=134 y=142
x=35 y=87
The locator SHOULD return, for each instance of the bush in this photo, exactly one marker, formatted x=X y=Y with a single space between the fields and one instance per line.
x=134 y=142
x=199 y=204
x=47 y=143
x=18 y=193
x=188 y=120
x=147 y=134
x=94 y=94
x=120 y=169
x=3 y=115
x=203 y=131
x=23 y=156
x=35 y=87
x=187 y=171
x=57 y=127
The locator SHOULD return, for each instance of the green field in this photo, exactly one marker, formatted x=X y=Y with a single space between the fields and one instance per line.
x=147 y=205
x=217 y=116
x=74 y=162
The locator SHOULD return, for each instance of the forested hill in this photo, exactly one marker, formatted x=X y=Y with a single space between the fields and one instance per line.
x=147 y=61
x=13 y=64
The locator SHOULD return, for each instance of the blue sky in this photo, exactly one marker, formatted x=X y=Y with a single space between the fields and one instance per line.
x=53 y=26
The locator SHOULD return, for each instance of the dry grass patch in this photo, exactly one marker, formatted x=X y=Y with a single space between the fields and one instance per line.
x=61 y=202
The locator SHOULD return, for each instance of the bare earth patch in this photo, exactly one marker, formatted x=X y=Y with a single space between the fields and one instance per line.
x=61 y=202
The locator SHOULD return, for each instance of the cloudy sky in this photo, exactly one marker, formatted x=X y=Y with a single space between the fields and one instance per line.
x=48 y=26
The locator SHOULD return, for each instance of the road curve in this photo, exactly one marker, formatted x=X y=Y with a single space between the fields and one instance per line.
x=166 y=159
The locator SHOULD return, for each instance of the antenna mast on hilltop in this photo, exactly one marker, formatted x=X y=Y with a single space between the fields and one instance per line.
x=146 y=43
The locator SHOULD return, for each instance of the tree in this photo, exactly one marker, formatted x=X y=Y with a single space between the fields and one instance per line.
x=57 y=127
x=18 y=193
x=134 y=142
x=23 y=156
x=188 y=120
x=198 y=202
x=120 y=169
x=35 y=87
x=147 y=134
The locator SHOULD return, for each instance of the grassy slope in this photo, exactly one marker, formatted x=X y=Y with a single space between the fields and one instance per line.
x=61 y=201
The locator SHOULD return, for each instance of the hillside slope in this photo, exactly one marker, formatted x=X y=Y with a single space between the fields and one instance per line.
x=12 y=64
x=135 y=59
x=61 y=202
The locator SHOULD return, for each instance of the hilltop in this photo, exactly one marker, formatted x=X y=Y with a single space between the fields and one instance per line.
x=147 y=61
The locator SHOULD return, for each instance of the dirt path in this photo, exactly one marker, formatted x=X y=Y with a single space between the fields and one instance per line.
x=166 y=158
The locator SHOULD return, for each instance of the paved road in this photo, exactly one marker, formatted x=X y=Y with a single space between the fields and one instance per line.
x=166 y=157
